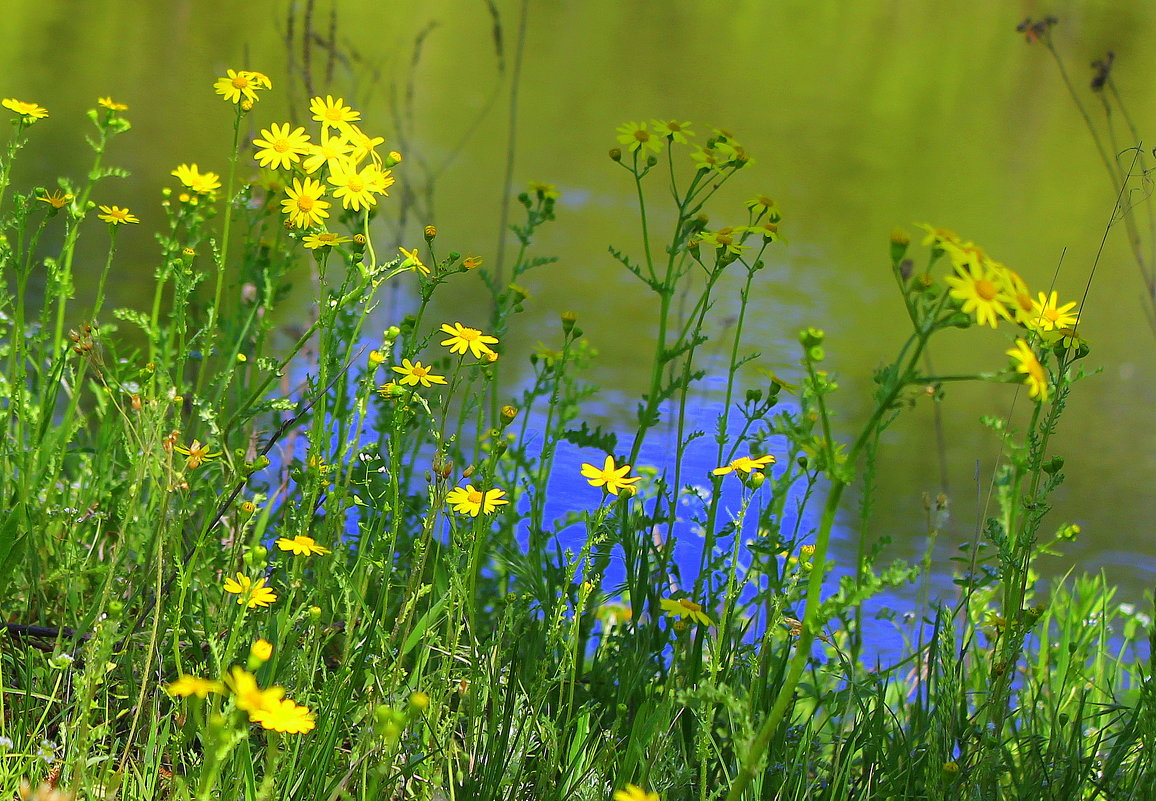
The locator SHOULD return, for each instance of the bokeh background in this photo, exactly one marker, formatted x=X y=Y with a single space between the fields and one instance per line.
x=861 y=117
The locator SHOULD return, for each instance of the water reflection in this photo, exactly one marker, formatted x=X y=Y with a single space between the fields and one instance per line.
x=860 y=118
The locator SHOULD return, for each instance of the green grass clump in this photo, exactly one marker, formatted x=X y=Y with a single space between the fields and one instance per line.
x=240 y=568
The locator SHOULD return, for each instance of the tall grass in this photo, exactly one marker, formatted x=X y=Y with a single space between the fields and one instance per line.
x=203 y=522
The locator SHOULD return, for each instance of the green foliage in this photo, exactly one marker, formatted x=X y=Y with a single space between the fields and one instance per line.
x=205 y=518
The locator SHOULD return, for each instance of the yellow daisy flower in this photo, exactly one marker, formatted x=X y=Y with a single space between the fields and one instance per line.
x=323 y=240
x=609 y=476
x=247 y=695
x=304 y=205
x=413 y=261
x=243 y=85
x=378 y=180
x=636 y=137
x=977 y=285
x=284 y=715
x=29 y=111
x=744 y=464
x=672 y=129
x=725 y=238
x=280 y=149
x=203 y=183
x=464 y=339
x=302 y=546
x=251 y=593
x=937 y=236
x=684 y=607
x=197 y=454
x=1048 y=315
x=57 y=199
x=333 y=113
x=115 y=215
x=111 y=104
x=469 y=501
x=364 y=145
x=633 y=792
x=416 y=373
x=545 y=191
x=355 y=188
x=1019 y=298
x=333 y=153
x=1035 y=376
x=187 y=685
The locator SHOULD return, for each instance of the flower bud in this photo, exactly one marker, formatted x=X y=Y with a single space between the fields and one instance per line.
x=472 y=262
x=508 y=415
x=259 y=653
x=419 y=701
x=811 y=337
x=376 y=357
x=442 y=467
x=392 y=159
x=899 y=242
x=615 y=154
x=430 y=232
x=568 y=320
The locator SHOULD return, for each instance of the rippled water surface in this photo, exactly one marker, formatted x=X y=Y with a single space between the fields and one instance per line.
x=861 y=117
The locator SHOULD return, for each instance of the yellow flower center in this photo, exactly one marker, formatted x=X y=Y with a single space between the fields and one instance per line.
x=642 y=136
x=304 y=202
x=420 y=372
x=281 y=145
x=1024 y=301
x=469 y=334
x=986 y=289
x=329 y=238
x=333 y=114
x=691 y=605
x=725 y=240
x=355 y=184
x=1052 y=314
x=474 y=497
x=241 y=82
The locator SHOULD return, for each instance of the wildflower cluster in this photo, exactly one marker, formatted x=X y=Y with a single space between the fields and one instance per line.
x=343 y=160
x=990 y=292
x=266 y=707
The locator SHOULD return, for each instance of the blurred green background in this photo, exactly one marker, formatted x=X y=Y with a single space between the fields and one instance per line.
x=861 y=117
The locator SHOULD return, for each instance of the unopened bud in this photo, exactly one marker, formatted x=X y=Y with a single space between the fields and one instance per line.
x=811 y=337
x=508 y=415
x=568 y=320
x=615 y=154
x=899 y=242
x=430 y=232
x=442 y=467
